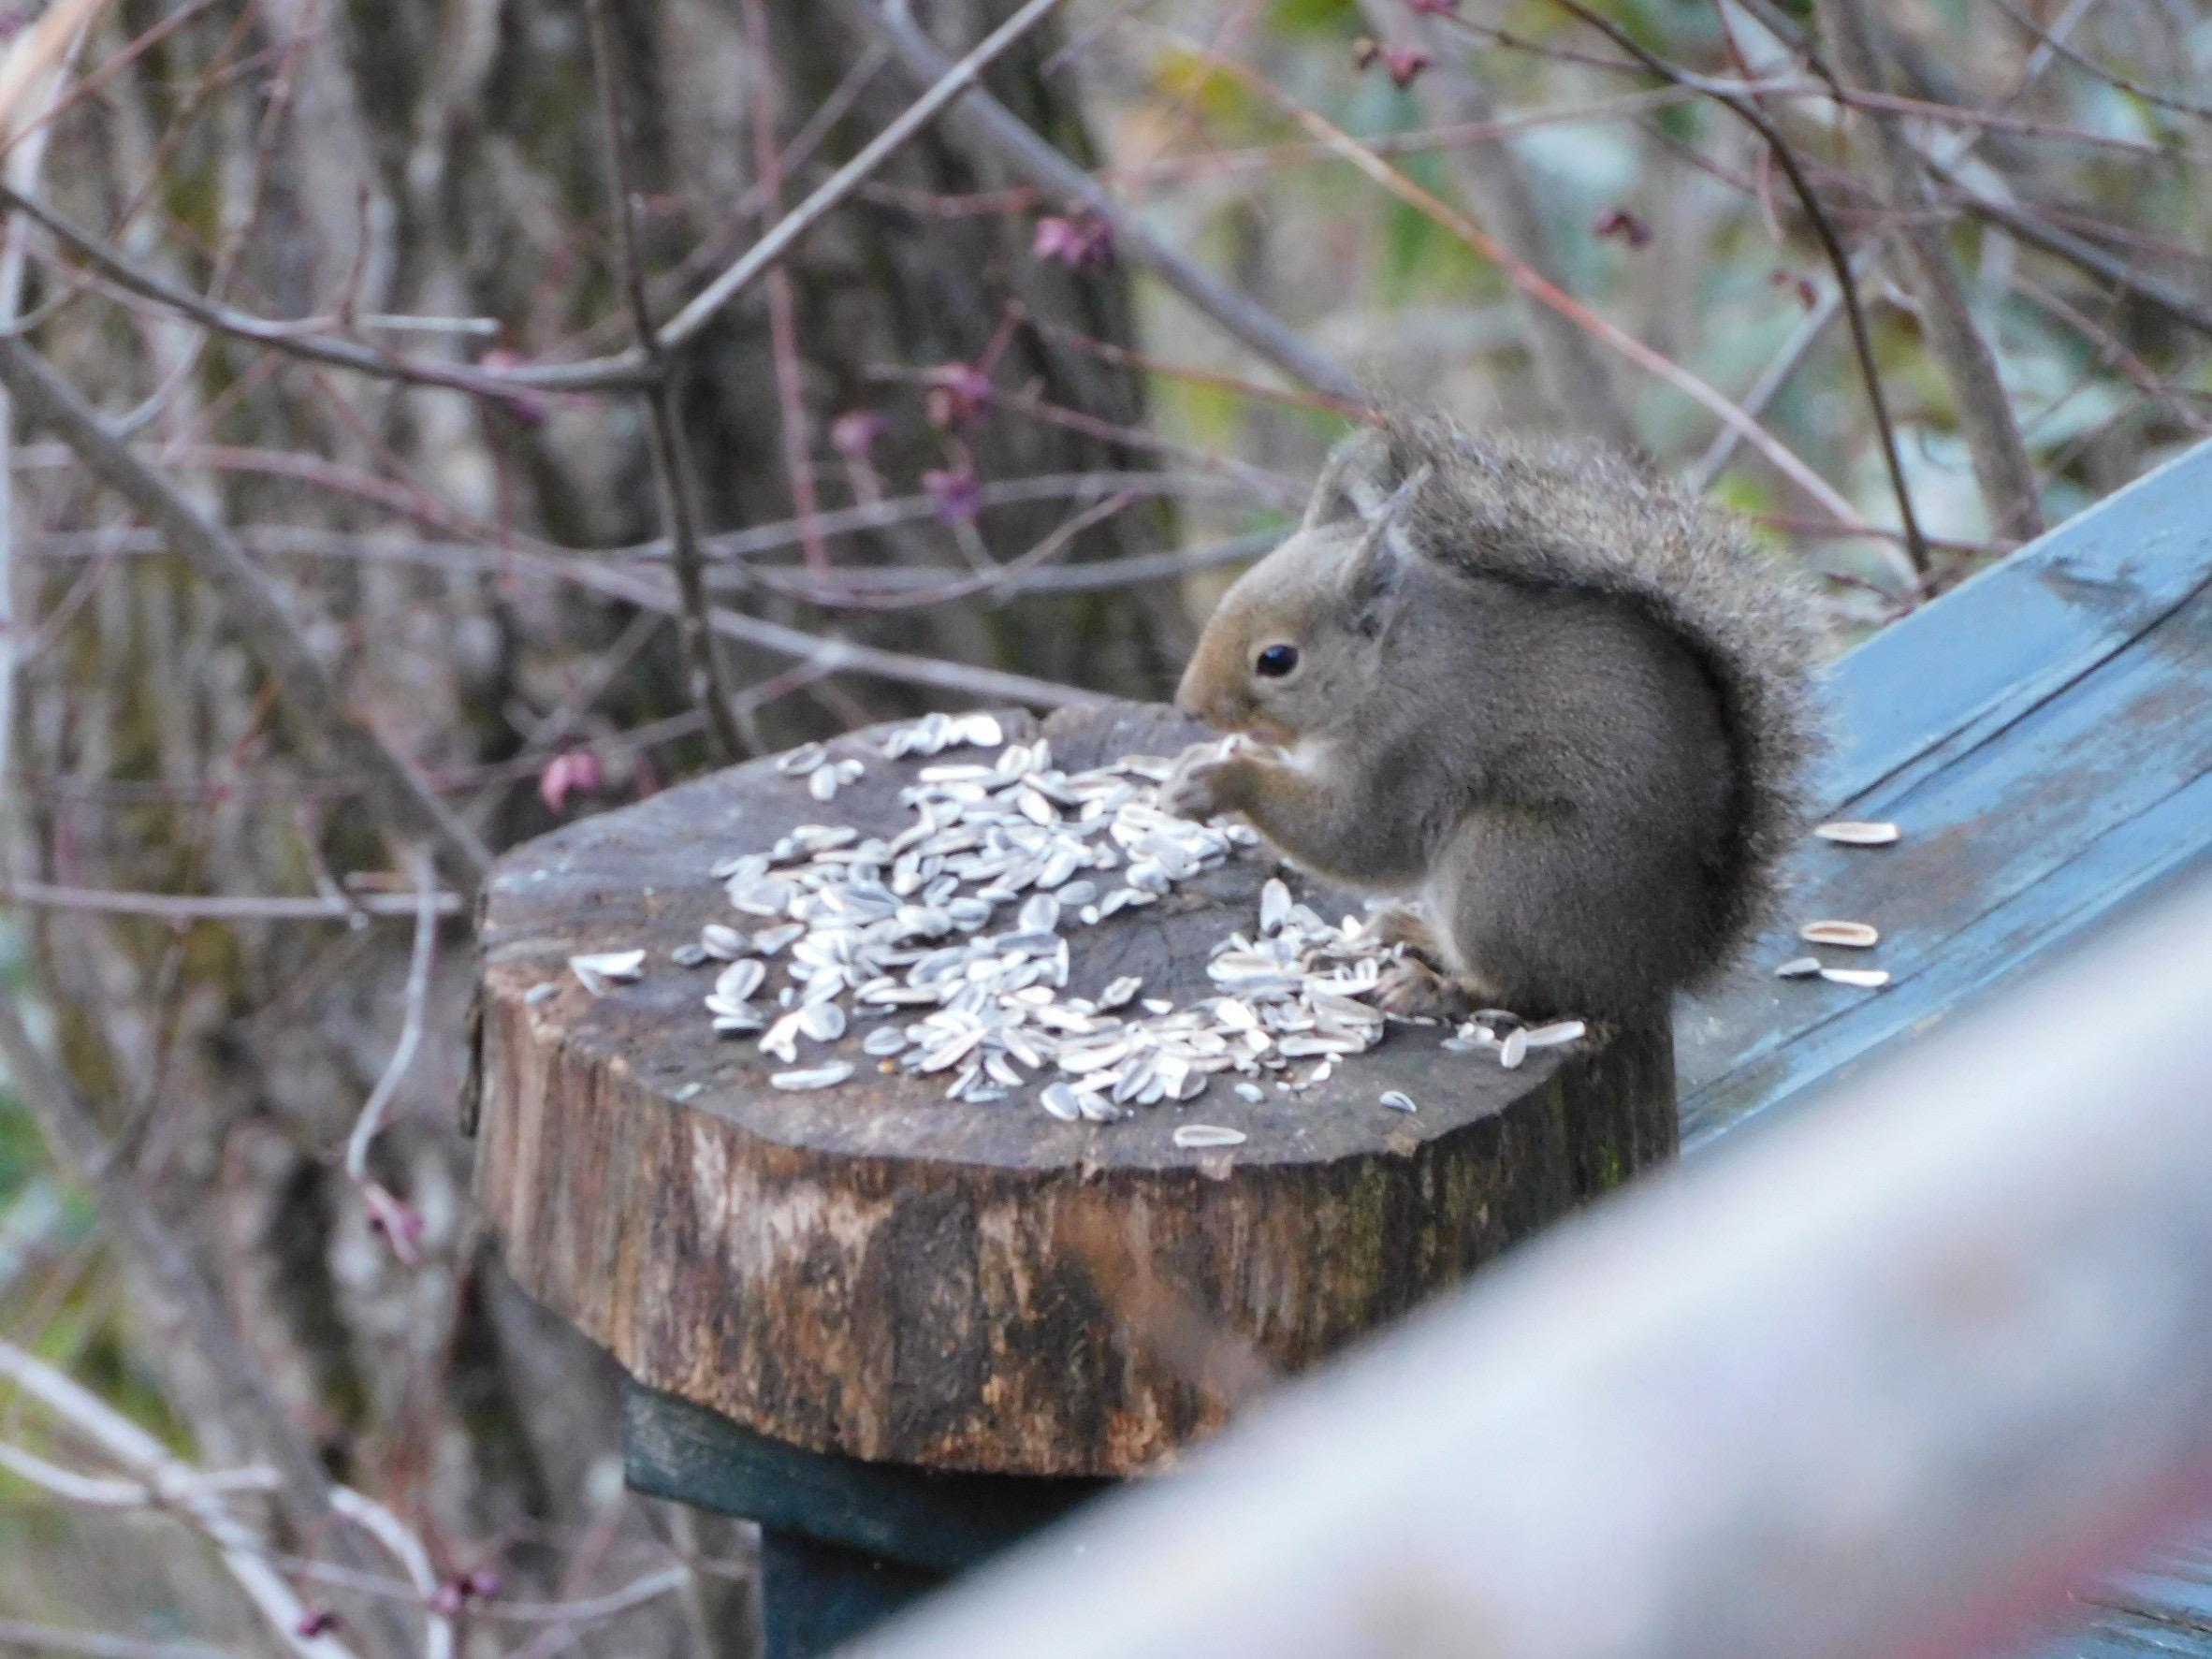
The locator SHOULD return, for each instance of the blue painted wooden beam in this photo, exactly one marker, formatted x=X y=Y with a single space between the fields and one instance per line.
x=2041 y=735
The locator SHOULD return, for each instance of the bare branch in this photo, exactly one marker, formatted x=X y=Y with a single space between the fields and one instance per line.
x=94 y=1644
x=177 y=1485
x=2001 y=467
x=664 y=416
x=951 y=80
x=308 y=339
x=1567 y=363
x=993 y=123
x=783 y=333
x=1548 y=293
x=415 y=999
x=194 y=1330
x=223 y=907
x=2040 y=233
x=1862 y=341
x=406 y=807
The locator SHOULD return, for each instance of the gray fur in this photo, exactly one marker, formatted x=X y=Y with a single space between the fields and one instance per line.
x=1562 y=703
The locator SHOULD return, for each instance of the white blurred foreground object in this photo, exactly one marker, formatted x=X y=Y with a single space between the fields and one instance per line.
x=1890 y=1380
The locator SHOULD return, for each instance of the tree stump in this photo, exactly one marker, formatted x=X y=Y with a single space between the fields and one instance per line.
x=874 y=1272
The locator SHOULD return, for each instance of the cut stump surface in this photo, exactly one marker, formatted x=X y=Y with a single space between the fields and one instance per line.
x=876 y=1271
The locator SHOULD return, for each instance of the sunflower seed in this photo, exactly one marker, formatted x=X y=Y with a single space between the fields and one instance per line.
x=783 y=1040
x=1857 y=935
x=883 y=1040
x=1119 y=993
x=821 y=783
x=1274 y=904
x=1195 y=1135
x=540 y=992
x=1799 y=967
x=1551 y=1035
x=797 y=762
x=1869 y=979
x=740 y=980
x=1854 y=833
x=827 y=1075
x=1061 y=1100
x=824 y=1022
x=1513 y=1049
x=1398 y=1100
x=599 y=971
x=981 y=730
x=1252 y=1092
x=687 y=955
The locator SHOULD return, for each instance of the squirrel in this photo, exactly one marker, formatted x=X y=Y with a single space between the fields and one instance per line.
x=1556 y=708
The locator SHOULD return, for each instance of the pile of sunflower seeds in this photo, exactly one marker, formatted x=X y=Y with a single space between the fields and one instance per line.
x=953 y=941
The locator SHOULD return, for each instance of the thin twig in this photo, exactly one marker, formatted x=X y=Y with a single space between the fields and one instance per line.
x=664 y=424
x=194 y=1333
x=148 y=1460
x=2039 y=232
x=951 y=80
x=223 y=907
x=308 y=339
x=420 y=959
x=95 y=1644
x=2006 y=476
x=1568 y=365
x=783 y=330
x=1655 y=363
x=1006 y=579
x=20 y=165
x=1862 y=340
x=995 y=125
x=311 y=701
x=626 y=370
x=1955 y=149
x=2105 y=72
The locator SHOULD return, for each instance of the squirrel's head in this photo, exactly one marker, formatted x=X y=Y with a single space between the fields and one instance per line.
x=1293 y=645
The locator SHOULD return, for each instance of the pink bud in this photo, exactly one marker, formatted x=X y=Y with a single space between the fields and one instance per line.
x=957 y=391
x=314 y=1621
x=398 y=1225
x=1404 y=63
x=1075 y=242
x=958 y=494
x=854 y=435
x=575 y=771
x=1619 y=221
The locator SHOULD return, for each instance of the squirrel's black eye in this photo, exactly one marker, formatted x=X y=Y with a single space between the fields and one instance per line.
x=1277 y=661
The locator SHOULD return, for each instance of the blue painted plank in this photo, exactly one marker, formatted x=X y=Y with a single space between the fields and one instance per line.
x=2119 y=869
x=2042 y=736
x=2004 y=821
x=1953 y=672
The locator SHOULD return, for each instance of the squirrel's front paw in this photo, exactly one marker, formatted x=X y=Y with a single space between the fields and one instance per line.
x=1198 y=787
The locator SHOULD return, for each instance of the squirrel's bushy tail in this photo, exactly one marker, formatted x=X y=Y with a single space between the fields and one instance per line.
x=1571 y=518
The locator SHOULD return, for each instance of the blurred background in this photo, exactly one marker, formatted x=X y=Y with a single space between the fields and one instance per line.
x=985 y=426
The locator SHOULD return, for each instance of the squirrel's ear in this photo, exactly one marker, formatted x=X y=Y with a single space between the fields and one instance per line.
x=1384 y=546
x=1356 y=480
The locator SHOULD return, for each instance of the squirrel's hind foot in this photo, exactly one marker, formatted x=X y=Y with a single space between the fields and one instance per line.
x=1413 y=989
